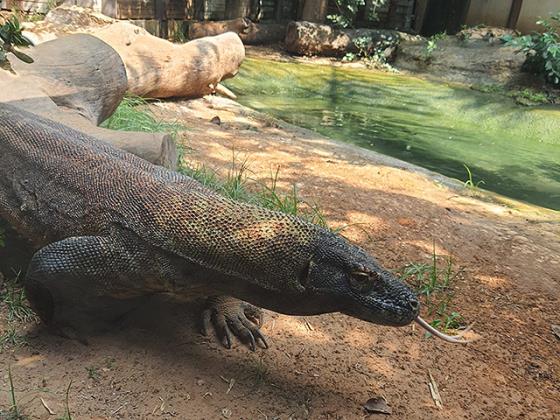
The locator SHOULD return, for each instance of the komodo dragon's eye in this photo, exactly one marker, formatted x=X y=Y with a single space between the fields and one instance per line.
x=362 y=281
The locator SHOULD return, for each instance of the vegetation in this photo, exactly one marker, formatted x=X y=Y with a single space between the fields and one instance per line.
x=11 y=37
x=348 y=9
x=92 y=372
x=13 y=412
x=526 y=96
x=12 y=296
x=434 y=286
x=132 y=114
x=469 y=183
x=66 y=415
x=371 y=54
x=542 y=50
x=11 y=338
x=432 y=45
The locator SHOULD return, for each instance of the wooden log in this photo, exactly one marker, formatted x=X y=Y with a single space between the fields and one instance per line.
x=264 y=33
x=250 y=33
x=25 y=93
x=212 y=28
x=307 y=38
x=159 y=69
x=79 y=72
x=79 y=80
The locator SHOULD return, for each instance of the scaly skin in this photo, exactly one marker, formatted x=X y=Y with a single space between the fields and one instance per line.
x=109 y=226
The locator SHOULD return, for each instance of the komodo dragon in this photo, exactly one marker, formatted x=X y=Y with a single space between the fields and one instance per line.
x=110 y=227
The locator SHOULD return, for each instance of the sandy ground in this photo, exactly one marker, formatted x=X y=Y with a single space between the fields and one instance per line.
x=156 y=365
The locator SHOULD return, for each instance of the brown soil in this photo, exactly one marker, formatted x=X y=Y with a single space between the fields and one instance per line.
x=155 y=365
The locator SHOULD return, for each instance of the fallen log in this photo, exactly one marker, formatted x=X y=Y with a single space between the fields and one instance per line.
x=79 y=80
x=307 y=38
x=78 y=72
x=250 y=33
x=264 y=33
x=156 y=68
x=212 y=28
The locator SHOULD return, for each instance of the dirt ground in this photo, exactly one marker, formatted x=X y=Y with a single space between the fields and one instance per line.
x=156 y=365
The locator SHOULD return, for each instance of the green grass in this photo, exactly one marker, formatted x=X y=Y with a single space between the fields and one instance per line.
x=12 y=296
x=11 y=338
x=526 y=97
x=239 y=186
x=469 y=183
x=13 y=412
x=433 y=282
x=92 y=373
x=66 y=415
x=529 y=97
x=133 y=114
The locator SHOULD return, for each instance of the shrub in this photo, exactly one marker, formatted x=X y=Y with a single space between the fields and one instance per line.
x=348 y=9
x=10 y=36
x=541 y=49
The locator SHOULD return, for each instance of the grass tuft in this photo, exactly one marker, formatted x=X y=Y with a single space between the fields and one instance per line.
x=433 y=282
x=11 y=338
x=66 y=415
x=93 y=373
x=12 y=295
x=133 y=114
x=13 y=412
x=469 y=183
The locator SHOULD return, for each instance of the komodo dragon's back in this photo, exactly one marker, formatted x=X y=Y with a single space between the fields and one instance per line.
x=58 y=182
x=100 y=217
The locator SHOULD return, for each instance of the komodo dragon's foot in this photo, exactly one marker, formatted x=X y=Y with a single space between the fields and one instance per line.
x=230 y=315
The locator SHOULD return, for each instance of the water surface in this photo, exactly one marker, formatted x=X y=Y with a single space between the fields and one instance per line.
x=515 y=150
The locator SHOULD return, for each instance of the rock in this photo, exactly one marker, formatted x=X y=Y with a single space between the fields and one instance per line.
x=306 y=38
x=476 y=62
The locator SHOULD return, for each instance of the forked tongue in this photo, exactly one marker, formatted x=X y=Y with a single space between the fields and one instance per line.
x=449 y=338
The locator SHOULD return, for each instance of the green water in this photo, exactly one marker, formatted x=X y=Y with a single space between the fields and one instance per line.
x=515 y=150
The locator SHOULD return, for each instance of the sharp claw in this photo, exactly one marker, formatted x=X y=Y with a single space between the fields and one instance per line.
x=226 y=340
x=261 y=338
x=252 y=344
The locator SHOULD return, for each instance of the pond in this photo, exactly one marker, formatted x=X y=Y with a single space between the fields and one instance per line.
x=514 y=150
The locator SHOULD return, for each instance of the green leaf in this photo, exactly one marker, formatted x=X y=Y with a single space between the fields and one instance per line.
x=23 y=57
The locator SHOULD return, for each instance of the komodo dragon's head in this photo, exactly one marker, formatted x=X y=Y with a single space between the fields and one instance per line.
x=355 y=284
x=344 y=278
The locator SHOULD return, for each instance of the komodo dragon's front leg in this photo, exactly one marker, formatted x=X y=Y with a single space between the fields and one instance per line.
x=80 y=280
x=80 y=283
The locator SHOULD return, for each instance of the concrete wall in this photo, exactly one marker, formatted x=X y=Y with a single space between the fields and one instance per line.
x=496 y=13
x=532 y=10
x=489 y=12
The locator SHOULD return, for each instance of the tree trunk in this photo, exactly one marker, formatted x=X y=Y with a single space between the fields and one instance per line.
x=78 y=72
x=212 y=28
x=156 y=68
x=249 y=32
x=306 y=38
x=315 y=10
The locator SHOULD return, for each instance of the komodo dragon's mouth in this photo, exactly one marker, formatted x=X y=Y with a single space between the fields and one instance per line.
x=449 y=338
